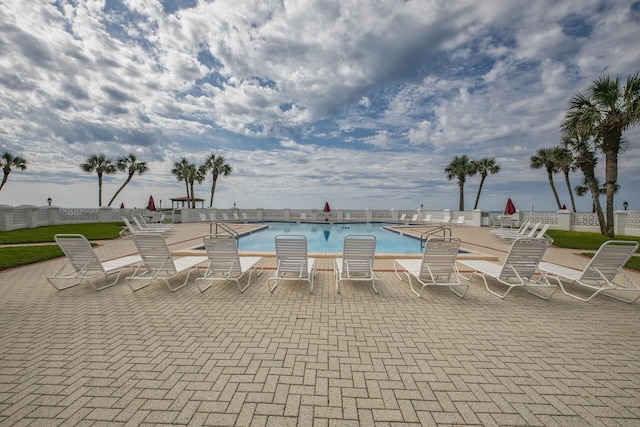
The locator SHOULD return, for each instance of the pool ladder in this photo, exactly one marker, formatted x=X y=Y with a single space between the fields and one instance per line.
x=224 y=227
x=433 y=230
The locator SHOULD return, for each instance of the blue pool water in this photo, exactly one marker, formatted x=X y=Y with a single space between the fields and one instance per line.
x=329 y=237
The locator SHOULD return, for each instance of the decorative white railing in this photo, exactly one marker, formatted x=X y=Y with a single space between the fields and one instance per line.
x=12 y=218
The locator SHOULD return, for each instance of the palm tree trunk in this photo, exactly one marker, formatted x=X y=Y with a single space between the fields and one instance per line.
x=193 y=195
x=573 y=202
x=588 y=170
x=611 y=175
x=99 y=190
x=553 y=188
x=120 y=189
x=595 y=194
x=213 y=188
x=475 y=206
x=4 y=180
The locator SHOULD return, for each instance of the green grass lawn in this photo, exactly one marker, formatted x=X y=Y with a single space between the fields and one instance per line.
x=15 y=256
x=95 y=231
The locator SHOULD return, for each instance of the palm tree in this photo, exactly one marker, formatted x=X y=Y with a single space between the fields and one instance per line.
x=130 y=164
x=484 y=167
x=217 y=166
x=195 y=174
x=544 y=158
x=101 y=165
x=8 y=161
x=585 y=159
x=583 y=189
x=564 y=161
x=460 y=167
x=605 y=112
x=181 y=171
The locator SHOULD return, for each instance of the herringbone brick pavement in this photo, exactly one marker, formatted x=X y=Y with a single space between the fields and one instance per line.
x=114 y=357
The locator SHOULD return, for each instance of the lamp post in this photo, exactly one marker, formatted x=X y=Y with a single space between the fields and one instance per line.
x=625 y=205
x=49 y=201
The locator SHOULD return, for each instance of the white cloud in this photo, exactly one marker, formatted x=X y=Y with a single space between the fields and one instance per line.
x=305 y=98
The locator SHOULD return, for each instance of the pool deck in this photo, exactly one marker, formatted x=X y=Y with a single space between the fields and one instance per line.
x=114 y=357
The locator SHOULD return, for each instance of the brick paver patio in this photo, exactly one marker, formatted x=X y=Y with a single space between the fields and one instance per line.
x=114 y=357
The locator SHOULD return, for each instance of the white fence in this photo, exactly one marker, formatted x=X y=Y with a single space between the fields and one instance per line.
x=13 y=218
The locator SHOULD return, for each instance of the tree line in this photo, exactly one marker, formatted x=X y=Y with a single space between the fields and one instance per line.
x=461 y=167
x=102 y=165
x=183 y=170
x=593 y=126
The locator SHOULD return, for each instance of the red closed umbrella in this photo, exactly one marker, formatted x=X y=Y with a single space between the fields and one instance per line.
x=326 y=207
x=509 y=209
x=151 y=206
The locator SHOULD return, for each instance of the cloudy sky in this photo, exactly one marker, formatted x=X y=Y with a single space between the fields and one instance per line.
x=359 y=103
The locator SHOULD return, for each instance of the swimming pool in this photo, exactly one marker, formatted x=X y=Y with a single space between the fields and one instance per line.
x=327 y=237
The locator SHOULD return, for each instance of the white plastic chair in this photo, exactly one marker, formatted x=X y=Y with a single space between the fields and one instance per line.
x=82 y=264
x=292 y=261
x=356 y=263
x=518 y=269
x=225 y=264
x=436 y=268
x=599 y=276
x=143 y=225
x=527 y=233
x=157 y=262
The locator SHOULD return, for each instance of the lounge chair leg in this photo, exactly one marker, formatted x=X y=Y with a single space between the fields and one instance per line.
x=541 y=295
x=628 y=301
x=275 y=285
x=461 y=293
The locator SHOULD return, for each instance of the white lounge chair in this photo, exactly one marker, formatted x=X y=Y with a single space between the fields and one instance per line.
x=518 y=269
x=225 y=264
x=521 y=230
x=292 y=261
x=82 y=264
x=356 y=263
x=144 y=225
x=600 y=273
x=157 y=218
x=543 y=231
x=527 y=233
x=131 y=229
x=157 y=262
x=436 y=268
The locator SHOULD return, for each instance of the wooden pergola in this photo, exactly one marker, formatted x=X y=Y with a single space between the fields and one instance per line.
x=182 y=202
